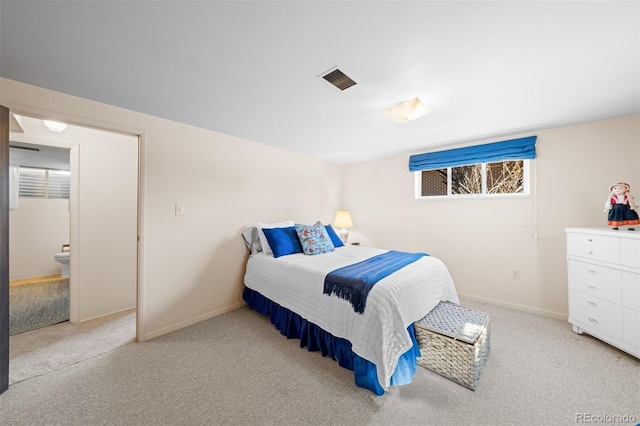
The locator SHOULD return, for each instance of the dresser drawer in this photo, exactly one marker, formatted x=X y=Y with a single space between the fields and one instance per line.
x=595 y=313
x=606 y=292
x=630 y=290
x=630 y=252
x=596 y=247
x=600 y=281
x=631 y=327
x=594 y=273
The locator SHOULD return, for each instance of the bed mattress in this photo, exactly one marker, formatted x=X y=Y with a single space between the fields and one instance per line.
x=379 y=335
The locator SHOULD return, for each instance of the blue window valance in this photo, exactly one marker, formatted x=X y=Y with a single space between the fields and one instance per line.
x=514 y=149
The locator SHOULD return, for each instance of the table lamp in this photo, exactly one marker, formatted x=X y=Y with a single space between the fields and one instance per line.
x=343 y=221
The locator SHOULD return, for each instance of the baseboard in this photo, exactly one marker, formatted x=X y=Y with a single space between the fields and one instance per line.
x=122 y=311
x=543 y=312
x=215 y=313
x=34 y=280
x=191 y=321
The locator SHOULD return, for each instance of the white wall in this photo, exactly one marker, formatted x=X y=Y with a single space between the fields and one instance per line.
x=37 y=230
x=192 y=266
x=484 y=240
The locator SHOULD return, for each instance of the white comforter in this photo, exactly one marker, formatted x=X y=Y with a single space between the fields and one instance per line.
x=379 y=335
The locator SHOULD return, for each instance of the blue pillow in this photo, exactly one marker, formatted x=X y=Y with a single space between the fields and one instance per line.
x=337 y=242
x=314 y=239
x=283 y=241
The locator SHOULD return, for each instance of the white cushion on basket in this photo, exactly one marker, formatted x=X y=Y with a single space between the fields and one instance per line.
x=455 y=321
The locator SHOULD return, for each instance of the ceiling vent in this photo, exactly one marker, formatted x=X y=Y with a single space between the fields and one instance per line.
x=338 y=79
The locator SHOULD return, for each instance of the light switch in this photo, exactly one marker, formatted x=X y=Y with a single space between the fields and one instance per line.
x=179 y=209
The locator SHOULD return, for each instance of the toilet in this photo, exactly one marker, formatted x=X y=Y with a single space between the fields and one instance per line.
x=63 y=258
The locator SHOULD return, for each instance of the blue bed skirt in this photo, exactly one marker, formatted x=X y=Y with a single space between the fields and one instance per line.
x=315 y=338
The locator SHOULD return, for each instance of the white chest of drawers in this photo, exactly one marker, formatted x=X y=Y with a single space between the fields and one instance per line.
x=604 y=285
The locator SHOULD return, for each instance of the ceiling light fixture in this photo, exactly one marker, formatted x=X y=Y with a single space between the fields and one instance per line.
x=407 y=111
x=55 y=126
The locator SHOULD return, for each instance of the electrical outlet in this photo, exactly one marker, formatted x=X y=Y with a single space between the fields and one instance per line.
x=515 y=275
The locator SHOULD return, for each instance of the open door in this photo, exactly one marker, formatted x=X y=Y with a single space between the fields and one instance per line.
x=4 y=249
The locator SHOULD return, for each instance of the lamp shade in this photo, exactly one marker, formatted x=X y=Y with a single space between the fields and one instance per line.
x=343 y=219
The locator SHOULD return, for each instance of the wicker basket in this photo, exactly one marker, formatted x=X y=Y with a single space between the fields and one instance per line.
x=455 y=342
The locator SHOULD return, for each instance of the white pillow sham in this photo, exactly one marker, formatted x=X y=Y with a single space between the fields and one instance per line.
x=252 y=239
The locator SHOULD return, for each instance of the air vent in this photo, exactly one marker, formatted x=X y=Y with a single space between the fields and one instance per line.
x=339 y=79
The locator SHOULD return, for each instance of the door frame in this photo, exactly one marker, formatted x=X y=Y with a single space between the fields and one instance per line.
x=4 y=215
x=4 y=248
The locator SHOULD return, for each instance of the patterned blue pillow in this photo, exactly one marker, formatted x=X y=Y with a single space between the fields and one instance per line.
x=314 y=239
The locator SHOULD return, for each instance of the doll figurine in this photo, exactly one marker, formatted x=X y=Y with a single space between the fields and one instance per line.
x=621 y=207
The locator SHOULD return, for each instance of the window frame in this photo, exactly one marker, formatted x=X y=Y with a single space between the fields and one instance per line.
x=526 y=183
x=46 y=184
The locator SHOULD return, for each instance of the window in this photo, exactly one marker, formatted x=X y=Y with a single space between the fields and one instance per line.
x=44 y=183
x=503 y=178
x=496 y=169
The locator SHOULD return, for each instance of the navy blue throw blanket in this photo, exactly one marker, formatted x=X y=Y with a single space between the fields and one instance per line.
x=354 y=282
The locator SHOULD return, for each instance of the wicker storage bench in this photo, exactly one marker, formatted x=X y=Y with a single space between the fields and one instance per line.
x=454 y=342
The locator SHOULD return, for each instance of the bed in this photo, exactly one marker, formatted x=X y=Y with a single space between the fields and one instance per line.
x=376 y=341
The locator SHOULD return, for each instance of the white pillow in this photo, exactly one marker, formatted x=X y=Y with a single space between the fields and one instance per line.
x=263 y=238
x=252 y=240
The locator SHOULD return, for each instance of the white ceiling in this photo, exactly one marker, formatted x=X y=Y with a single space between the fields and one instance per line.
x=40 y=156
x=250 y=69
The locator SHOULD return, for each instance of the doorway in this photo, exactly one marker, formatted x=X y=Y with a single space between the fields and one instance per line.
x=103 y=211
x=39 y=188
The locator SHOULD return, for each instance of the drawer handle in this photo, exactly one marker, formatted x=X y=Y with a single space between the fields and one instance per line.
x=591 y=271
x=592 y=287
x=590 y=240
x=593 y=320
x=590 y=252
x=592 y=304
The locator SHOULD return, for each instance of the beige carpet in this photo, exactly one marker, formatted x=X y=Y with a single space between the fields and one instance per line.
x=238 y=369
x=43 y=351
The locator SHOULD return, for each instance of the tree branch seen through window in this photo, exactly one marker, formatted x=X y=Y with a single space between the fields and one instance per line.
x=504 y=177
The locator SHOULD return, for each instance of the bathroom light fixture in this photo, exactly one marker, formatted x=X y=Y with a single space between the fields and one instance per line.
x=343 y=221
x=407 y=111
x=55 y=126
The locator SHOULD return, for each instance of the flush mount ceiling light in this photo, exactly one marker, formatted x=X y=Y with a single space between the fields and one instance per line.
x=407 y=111
x=55 y=126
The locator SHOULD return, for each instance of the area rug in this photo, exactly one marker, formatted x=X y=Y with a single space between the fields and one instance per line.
x=37 y=305
x=70 y=344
